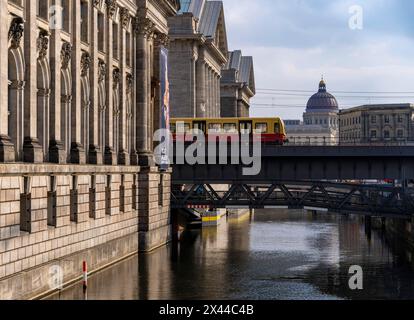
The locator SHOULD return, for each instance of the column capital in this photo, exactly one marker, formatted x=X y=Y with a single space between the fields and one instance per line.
x=16 y=32
x=66 y=98
x=162 y=39
x=66 y=55
x=17 y=84
x=86 y=104
x=102 y=71
x=144 y=26
x=116 y=77
x=85 y=63
x=43 y=44
x=111 y=6
x=43 y=92
x=125 y=17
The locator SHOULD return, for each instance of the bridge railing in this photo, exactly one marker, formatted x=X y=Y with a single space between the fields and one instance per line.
x=340 y=141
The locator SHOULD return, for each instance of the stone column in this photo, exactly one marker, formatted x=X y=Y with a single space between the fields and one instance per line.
x=214 y=75
x=156 y=88
x=240 y=108
x=208 y=92
x=134 y=111
x=212 y=98
x=57 y=152
x=7 y=153
x=212 y=90
x=152 y=87
x=43 y=123
x=234 y=104
x=95 y=153
x=218 y=110
x=217 y=102
x=110 y=156
x=77 y=152
x=214 y=94
x=32 y=150
x=201 y=88
x=193 y=93
x=144 y=29
x=123 y=155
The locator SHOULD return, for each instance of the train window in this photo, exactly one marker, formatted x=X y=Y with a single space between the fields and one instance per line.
x=277 y=128
x=199 y=125
x=261 y=127
x=245 y=127
x=230 y=127
x=214 y=127
x=182 y=127
x=173 y=128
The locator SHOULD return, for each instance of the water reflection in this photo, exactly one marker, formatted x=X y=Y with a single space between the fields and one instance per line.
x=277 y=255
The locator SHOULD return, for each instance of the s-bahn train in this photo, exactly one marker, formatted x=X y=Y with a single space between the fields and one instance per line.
x=265 y=130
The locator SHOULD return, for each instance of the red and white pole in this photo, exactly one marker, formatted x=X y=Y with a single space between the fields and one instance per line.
x=85 y=275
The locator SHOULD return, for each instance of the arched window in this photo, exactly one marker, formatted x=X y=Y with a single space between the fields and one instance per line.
x=66 y=99
x=16 y=71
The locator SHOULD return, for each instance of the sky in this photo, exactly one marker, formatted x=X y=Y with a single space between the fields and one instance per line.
x=295 y=42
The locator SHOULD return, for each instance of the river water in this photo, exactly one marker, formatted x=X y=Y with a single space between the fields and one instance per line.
x=271 y=255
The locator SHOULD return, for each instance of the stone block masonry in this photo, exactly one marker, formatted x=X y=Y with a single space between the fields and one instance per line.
x=154 y=208
x=60 y=215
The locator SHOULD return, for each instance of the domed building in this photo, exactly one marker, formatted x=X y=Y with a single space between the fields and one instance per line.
x=320 y=124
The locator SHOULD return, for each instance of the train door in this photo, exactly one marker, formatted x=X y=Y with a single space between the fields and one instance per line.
x=246 y=127
x=200 y=125
x=278 y=133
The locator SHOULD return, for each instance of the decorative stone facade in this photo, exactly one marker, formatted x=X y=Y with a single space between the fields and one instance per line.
x=320 y=124
x=78 y=109
x=237 y=85
x=378 y=124
x=198 y=52
x=73 y=93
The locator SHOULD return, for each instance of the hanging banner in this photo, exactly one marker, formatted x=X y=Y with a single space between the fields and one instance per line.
x=165 y=109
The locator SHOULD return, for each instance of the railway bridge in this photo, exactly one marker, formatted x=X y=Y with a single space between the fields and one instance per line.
x=329 y=178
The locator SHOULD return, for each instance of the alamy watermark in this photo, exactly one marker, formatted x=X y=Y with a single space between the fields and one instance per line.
x=55 y=278
x=356 y=21
x=56 y=17
x=356 y=282
x=195 y=148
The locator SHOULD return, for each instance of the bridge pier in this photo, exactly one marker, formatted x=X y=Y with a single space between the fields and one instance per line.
x=212 y=218
x=155 y=228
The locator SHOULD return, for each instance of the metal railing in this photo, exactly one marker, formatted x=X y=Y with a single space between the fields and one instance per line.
x=337 y=141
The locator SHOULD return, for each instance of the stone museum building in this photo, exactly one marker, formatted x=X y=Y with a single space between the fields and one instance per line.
x=378 y=124
x=80 y=100
x=320 y=124
x=198 y=52
x=237 y=85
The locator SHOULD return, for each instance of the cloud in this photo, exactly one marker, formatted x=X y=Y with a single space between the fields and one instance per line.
x=294 y=42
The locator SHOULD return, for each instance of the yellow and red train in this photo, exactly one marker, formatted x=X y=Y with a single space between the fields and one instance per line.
x=267 y=130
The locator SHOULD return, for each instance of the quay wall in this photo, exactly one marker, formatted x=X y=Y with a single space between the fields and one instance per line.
x=62 y=215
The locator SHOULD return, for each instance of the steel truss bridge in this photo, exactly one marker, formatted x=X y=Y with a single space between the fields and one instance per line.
x=304 y=177
x=375 y=200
